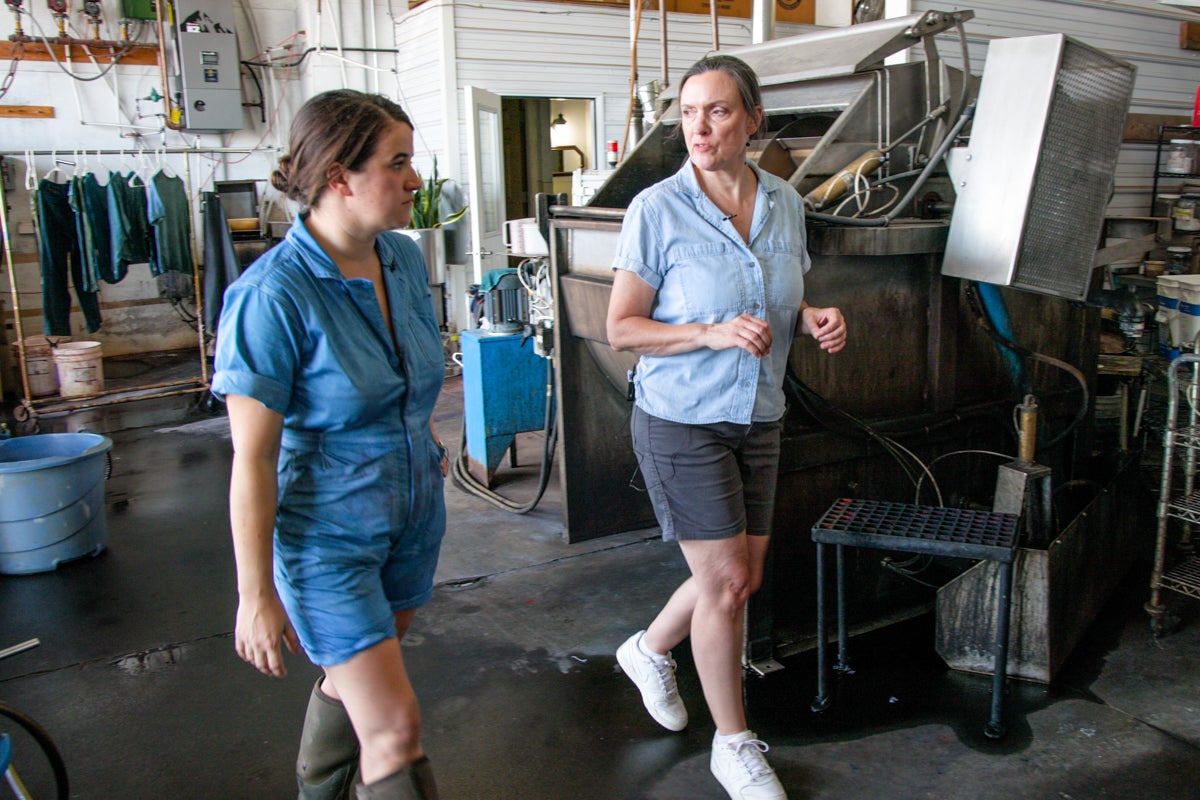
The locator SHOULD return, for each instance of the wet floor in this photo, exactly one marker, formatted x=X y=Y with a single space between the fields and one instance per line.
x=137 y=682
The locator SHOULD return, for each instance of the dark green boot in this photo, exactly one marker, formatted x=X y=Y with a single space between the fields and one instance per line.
x=327 y=766
x=412 y=782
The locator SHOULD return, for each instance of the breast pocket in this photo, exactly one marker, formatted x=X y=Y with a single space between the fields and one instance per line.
x=710 y=279
x=783 y=272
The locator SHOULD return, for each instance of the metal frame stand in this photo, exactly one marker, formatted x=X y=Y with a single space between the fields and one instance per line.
x=931 y=530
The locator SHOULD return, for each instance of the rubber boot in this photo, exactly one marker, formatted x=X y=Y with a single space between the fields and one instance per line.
x=327 y=766
x=412 y=782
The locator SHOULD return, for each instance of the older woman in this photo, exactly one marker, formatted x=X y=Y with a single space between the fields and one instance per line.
x=709 y=290
x=330 y=360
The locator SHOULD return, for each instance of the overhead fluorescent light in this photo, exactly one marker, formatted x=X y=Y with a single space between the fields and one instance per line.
x=1184 y=3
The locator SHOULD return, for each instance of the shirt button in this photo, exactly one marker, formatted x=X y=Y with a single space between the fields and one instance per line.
x=755 y=306
x=746 y=384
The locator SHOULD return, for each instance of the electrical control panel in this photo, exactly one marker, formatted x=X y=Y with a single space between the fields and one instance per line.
x=209 y=82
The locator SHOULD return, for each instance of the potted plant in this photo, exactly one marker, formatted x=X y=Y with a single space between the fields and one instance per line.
x=427 y=222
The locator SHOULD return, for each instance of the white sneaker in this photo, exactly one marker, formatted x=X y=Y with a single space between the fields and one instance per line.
x=655 y=678
x=743 y=770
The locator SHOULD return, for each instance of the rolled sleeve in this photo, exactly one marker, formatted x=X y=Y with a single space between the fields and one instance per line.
x=256 y=352
x=639 y=246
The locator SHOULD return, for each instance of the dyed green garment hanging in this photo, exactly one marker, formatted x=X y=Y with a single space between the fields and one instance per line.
x=167 y=208
x=90 y=201
x=131 y=239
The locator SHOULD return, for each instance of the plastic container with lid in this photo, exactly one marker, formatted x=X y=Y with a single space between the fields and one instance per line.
x=1179 y=260
x=1164 y=205
x=1178 y=157
x=1185 y=213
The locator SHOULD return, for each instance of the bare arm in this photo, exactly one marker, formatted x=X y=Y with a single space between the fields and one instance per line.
x=630 y=327
x=262 y=624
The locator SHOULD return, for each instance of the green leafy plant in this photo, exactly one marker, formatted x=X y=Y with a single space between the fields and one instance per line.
x=427 y=204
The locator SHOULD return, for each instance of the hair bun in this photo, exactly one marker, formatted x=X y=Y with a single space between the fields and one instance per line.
x=280 y=177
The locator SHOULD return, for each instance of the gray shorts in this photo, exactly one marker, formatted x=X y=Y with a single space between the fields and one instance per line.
x=708 y=481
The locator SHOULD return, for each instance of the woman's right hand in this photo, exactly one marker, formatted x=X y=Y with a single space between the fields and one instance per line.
x=745 y=331
x=262 y=627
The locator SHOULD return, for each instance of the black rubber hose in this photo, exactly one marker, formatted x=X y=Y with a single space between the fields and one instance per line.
x=39 y=734
x=463 y=477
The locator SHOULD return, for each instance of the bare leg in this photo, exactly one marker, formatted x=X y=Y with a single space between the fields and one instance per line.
x=382 y=705
x=724 y=573
x=674 y=623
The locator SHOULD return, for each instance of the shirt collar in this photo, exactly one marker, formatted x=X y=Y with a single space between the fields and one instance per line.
x=688 y=184
x=691 y=184
x=317 y=259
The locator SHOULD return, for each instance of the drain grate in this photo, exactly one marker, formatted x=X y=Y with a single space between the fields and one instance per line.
x=920 y=529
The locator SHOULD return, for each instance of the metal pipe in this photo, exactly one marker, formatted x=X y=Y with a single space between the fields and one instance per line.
x=712 y=9
x=109 y=398
x=662 y=45
x=995 y=727
x=12 y=285
x=170 y=151
x=1028 y=437
x=20 y=648
x=187 y=169
x=162 y=68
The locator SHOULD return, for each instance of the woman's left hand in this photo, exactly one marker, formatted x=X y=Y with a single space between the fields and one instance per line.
x=826 y=325
x=444 y=463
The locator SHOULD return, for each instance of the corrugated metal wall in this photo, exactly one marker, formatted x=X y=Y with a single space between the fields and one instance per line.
x=1142 y=32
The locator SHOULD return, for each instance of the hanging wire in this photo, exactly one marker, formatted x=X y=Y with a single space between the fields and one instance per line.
x=117 y=56
x=18 y=52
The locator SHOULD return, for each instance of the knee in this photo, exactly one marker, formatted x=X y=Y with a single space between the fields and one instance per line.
x=734 y=590
x=396 y=743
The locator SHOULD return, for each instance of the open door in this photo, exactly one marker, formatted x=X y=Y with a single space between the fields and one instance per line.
x=485 y=155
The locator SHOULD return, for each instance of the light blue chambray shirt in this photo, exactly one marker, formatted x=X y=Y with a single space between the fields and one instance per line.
x=680 y=243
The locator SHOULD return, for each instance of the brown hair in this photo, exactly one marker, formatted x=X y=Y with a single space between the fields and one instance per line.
x=336 y=127
x=743 y=78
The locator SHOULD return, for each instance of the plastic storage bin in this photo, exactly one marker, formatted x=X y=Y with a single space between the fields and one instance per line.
x=52 y=500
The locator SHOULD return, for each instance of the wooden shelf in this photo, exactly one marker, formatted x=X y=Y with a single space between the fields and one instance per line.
x=138 y=54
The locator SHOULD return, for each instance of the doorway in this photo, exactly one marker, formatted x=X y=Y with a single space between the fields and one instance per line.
x=545 y=141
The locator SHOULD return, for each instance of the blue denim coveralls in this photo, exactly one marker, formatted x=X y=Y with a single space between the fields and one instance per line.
x=360 y=514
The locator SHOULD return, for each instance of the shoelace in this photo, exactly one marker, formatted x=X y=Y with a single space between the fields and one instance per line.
x=665 y=670
x=750 y=755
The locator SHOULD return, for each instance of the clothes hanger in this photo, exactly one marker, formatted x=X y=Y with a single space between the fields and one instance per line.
x=54 y=169
x=99 y=173
x=30 y=172
x=163 y=166
x=136 y=179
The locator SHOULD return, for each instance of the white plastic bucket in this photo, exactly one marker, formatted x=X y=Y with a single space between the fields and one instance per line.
x=80 y=369
x=1167 y=288
x=1189 y=308
x=39 y=363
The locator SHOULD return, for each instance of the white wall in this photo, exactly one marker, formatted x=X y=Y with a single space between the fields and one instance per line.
x=528 y=48
x=107 y=114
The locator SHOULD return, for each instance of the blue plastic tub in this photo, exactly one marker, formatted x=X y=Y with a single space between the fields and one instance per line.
x=51 y=500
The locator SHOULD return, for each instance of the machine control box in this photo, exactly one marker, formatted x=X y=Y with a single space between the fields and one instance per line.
x=209 y=79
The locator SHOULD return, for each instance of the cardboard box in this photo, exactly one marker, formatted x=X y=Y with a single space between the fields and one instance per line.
x=799 y=11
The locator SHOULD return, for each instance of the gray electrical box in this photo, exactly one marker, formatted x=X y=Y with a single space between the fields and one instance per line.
x=210 y=87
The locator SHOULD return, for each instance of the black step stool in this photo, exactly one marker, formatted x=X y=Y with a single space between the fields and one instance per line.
x=983 y=535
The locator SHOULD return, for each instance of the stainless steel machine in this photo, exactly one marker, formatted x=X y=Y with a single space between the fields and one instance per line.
x=899 y=242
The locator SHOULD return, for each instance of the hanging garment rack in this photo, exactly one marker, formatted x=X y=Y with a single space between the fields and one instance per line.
x=27 y=412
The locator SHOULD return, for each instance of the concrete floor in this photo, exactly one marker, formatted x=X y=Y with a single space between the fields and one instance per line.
x=137 y=681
